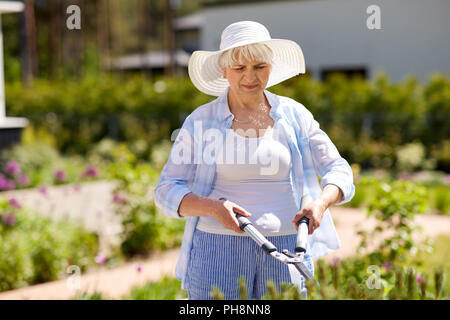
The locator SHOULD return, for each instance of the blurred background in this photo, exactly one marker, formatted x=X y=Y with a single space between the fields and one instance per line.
x=91 y=91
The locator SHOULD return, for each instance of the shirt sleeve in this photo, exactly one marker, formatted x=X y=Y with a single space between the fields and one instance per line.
x=331 y=167
x=177 y=174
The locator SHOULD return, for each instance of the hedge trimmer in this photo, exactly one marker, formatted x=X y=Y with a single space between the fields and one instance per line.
x=284 y=256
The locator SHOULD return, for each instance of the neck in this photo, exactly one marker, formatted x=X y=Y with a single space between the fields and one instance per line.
x=248 y=103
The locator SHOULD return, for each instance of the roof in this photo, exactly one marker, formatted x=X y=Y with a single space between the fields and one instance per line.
x=11 y=6
x=214 y=3
x=192 y=21
x=154 y=59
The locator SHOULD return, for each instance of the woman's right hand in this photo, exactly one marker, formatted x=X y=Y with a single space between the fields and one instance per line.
x=225 y=212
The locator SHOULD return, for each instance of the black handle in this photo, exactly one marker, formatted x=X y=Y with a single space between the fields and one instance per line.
x=246 y=225
x=303 y=225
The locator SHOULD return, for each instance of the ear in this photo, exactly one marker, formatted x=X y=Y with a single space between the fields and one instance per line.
x=224 y=72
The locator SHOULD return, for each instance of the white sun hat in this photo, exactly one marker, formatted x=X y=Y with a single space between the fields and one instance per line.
x=204 y=69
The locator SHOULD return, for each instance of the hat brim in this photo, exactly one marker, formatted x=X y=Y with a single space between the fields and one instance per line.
x=205 y=73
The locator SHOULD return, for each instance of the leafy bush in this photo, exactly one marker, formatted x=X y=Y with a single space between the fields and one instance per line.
x=145 y=228
x=367 y=122
x=35 y=249
x=28 y=165
x=410 y=156
x=440 y=199
x=384 y=272
x=394 y=207
x=165 y=289
x=435 y=184
x=335 y=284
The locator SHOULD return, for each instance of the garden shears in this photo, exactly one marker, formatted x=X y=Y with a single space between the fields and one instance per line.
x=286 y=257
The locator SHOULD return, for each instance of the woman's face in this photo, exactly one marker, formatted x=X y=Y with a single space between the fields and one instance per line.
x=249 y=78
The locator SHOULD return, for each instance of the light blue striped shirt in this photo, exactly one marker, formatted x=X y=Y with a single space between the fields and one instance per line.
x=313 y=153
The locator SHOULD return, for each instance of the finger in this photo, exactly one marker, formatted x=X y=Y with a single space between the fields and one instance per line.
x=241 y=211
x=297 y=218
x=302 y=213
x=313 y=225
x=236 y=225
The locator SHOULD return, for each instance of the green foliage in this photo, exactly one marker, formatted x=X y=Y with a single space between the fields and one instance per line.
x=355 y=279
x=39 y=161
x=410 y=156
x=165 y=289
x=81 y=113
x=368 y=121
x=434 y=183
x=394 y=207
x=89 y=296
x=145 y=228
x=439 y=199
x=35 y=249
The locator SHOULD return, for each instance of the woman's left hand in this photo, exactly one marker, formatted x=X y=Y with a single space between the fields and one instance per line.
x=314 y=211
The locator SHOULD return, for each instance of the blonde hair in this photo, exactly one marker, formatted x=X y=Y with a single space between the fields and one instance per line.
x=251 y=52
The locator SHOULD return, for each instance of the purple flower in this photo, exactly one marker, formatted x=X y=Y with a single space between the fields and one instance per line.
x=23 y=180
x=90 y=171
x=418 y=279
x=379 y=174
x=9 y=219
x=43 y=190
x=6 y=184
x=335 y=262
x=60 y=175
x=138 y=268
x=404 y=176
x=12 y=168
x=422 y=176
x=118 y=199
x=15 y=203
x=2 y=182
x=447 y=180
x=100 y=258
x=387 y=266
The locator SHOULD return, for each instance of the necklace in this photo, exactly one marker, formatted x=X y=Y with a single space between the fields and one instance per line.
x=263 y=107
x=240 y=121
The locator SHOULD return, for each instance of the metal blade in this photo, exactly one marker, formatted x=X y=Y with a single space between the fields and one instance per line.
x=304 y=270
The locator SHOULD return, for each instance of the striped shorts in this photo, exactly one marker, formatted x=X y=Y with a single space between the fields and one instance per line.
x=219 y=261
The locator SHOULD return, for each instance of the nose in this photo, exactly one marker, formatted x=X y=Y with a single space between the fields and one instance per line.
x=250 y=74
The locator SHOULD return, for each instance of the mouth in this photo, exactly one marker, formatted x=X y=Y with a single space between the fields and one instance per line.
x=250 y=86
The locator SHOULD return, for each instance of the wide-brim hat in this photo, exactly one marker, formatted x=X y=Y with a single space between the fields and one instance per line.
x=205 y=72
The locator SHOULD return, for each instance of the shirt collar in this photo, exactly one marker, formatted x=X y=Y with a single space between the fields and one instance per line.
x=226 y=115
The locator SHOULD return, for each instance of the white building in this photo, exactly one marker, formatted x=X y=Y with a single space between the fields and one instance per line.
x=414 y=37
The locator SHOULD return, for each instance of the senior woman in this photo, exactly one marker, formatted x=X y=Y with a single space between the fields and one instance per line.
x=253 y=153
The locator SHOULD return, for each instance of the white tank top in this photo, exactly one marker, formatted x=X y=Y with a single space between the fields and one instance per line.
x=254 y=173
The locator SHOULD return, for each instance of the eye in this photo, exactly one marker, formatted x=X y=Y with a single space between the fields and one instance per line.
x=260 y=66
x=238 y=68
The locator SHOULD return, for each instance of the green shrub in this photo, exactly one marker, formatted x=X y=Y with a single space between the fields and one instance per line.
x=367 y=120
x=394 y=207
x=164 y=289
x=145 y=228
x=39 y=162
x=35 y=249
